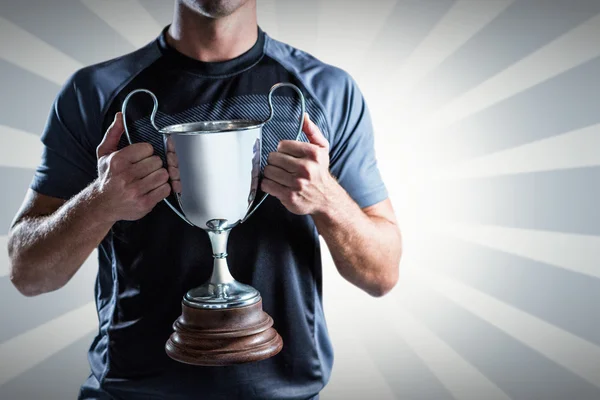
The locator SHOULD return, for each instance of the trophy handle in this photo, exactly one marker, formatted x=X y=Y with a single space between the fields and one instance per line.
x=271 y=113
x=152 y=118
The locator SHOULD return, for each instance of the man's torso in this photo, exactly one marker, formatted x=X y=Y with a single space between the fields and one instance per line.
x=146 y=266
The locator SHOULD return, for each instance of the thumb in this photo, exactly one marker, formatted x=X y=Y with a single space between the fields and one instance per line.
x=313 y=133
x=111 y=138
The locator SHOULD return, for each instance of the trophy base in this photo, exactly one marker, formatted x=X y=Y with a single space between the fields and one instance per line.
x=227 y=336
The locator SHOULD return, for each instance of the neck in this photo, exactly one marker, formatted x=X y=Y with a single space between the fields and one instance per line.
x=213 y=39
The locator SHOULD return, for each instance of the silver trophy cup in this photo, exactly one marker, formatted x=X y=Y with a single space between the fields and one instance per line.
x=214 y=169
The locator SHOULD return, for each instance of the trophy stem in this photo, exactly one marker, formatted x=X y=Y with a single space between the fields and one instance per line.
x=218 y=240
x=221 y=290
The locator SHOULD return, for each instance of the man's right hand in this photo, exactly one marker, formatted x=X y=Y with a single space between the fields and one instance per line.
x=50 y=237
x=131 y=180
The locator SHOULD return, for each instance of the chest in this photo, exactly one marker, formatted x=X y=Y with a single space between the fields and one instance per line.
x=184 y=98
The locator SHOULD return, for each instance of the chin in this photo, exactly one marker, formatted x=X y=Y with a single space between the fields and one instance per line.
x=215 y=8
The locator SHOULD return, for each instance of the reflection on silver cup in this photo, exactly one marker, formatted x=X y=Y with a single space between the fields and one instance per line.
x=216 y=165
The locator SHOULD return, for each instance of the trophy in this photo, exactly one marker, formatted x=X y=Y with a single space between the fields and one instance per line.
x=214 y=171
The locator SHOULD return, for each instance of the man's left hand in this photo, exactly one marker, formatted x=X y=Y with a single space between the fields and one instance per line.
x=298 y=173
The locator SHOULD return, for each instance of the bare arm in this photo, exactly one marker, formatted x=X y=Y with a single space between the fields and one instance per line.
x=51 y=238
x=365 y=243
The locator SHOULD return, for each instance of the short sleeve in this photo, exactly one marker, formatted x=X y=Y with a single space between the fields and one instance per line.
x=352 y=155
x=68 y=161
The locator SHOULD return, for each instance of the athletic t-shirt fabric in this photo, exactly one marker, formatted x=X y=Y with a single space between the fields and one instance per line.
x=146 y=266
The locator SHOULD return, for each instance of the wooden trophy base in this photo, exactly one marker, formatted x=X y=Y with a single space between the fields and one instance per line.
x=213 y=337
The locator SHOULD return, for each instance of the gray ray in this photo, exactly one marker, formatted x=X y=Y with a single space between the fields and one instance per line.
x=563 y=298
x=19 y=149
x=15 y=182
x=569 y=51
x=25 y=50
x=297 y=23
x=4 y=259
x=575 y=149
x=57 y=378
x=408 y=24
x=161 y=10
x=523 y=28
x=405 y=373
x=352 y=360
x=27 y=313
x=463 y=381
x=117 y=14
x=462 y=22
x=577 y=253
x=519 y=371
x=566 y=103
x=563 y=201
x=68 y=26
x=561 y=347
x=25 y=99
x=38 y=344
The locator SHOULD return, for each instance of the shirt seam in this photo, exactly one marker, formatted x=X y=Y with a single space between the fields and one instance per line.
x=112 y=304
x=111 y=99
x=316 y=299
x=315 y=98
x=126 y=82
x=322 y=109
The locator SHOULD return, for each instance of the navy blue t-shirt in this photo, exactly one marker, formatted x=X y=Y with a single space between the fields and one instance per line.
x=146 y=266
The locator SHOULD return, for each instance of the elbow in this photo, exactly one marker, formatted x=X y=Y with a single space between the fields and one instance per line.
x=19 y=279
x=21 y=276
x=384 y=286
x=388 y=281
x=28 y=285
x=24 y=287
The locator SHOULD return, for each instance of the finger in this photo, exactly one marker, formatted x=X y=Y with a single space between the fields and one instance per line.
x=170 y=144
x=154 y=180
x=274 y=189
x=159 y=193
x=176 y=185
x=297 y=149
x=279 y=175
x=285 y=161
x=313 y=133
x=146 y=166
x=111 y=138
x=172 y=160
x=137 y=152
x=173 y=173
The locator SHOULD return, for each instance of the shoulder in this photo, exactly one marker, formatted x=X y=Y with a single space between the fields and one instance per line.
x=307 y=68
x=334 y=89
x=92 y=88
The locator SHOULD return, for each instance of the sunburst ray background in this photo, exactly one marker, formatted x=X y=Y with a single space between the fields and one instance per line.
x=487 y=117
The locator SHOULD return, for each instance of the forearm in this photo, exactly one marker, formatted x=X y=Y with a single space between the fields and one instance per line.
x=46 y=251
x=366 y=249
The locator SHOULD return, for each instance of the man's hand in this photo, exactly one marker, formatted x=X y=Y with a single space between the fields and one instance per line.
x=51 y=238
x=365 y=243
x=298 y=173
x=132 y=180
